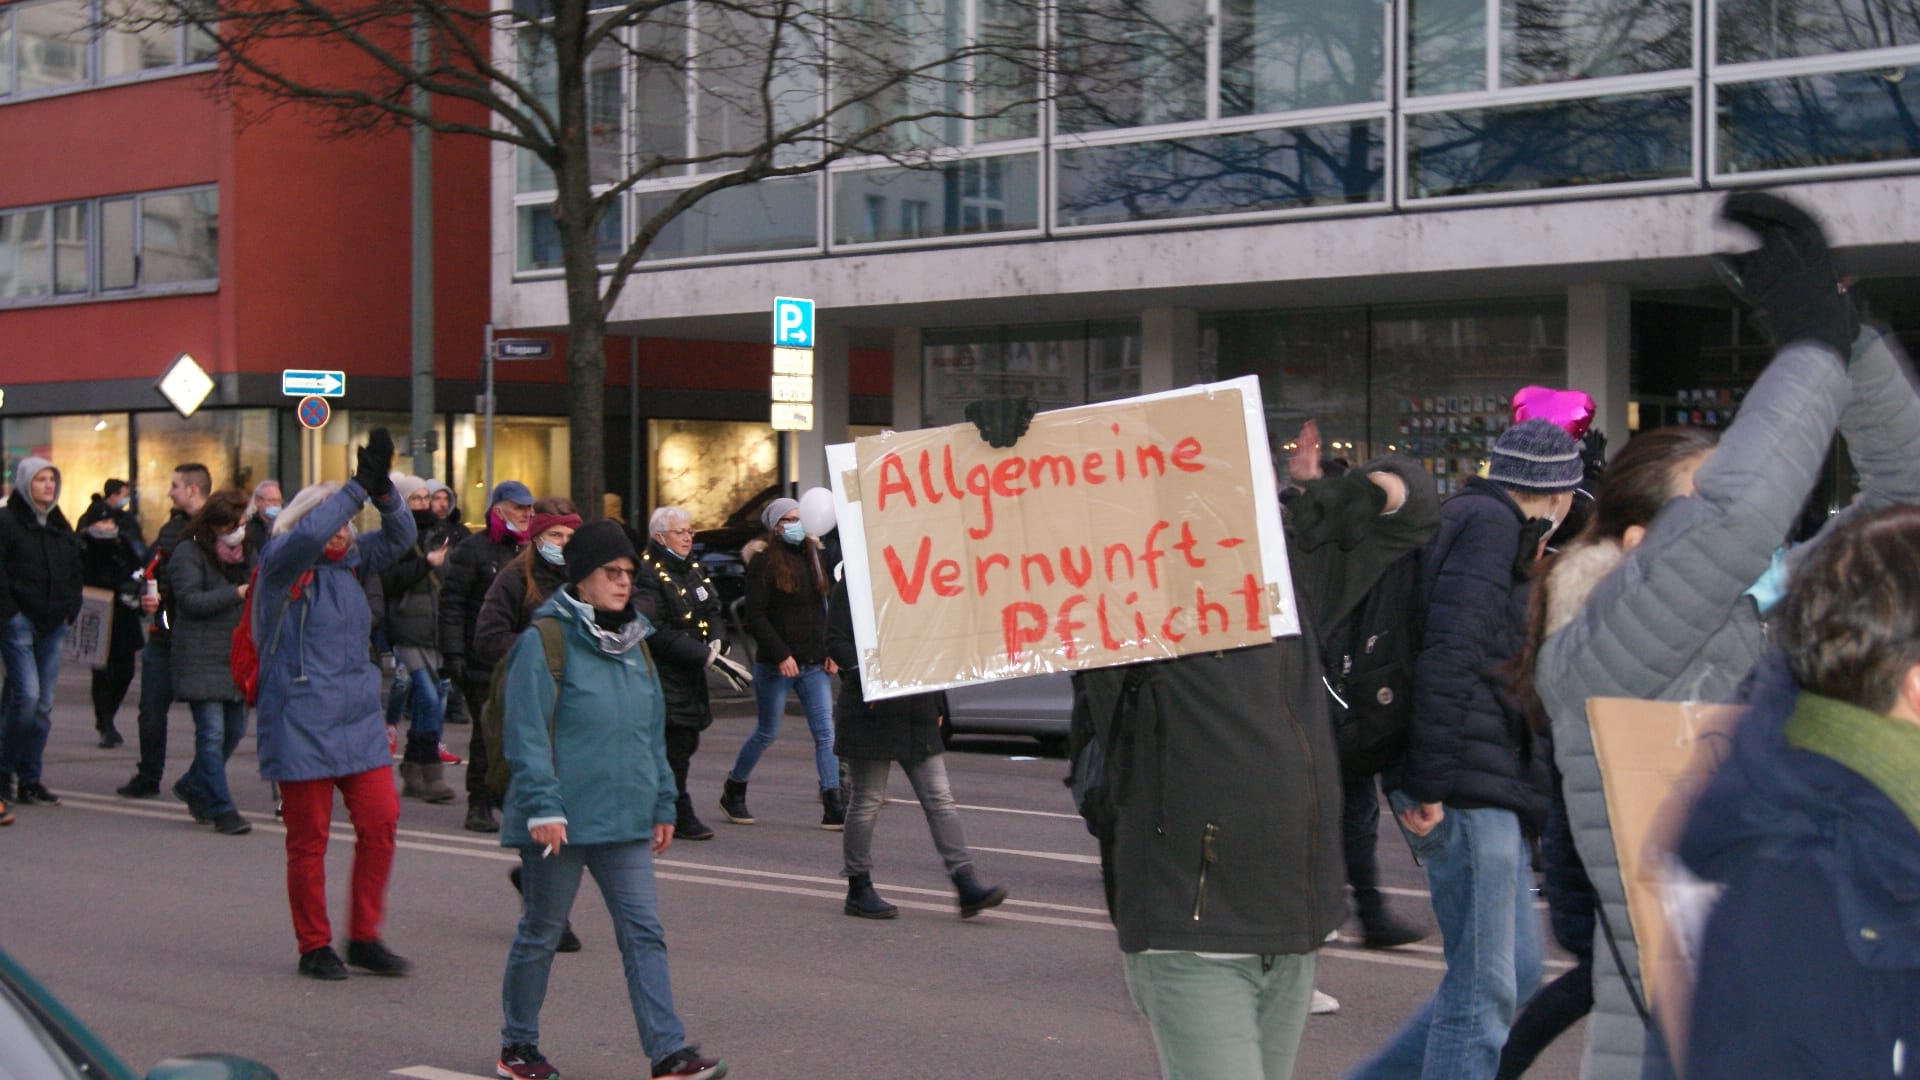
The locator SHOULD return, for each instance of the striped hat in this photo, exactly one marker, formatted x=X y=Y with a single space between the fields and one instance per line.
x=1536 y=456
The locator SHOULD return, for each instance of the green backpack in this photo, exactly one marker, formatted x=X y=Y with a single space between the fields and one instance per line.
x=493 y=718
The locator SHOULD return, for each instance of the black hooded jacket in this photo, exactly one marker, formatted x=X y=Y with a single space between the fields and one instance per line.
x=42 y=563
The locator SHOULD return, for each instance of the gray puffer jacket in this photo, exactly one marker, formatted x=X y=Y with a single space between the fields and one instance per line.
x=1671 y=620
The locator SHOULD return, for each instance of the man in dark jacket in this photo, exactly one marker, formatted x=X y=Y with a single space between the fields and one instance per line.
x=110 y=559
x=42 y=558
x=1471 y=785
x=673 y=592
x=1810 y=963
x=409 y=611
x=262 y=508
x=187 y=490
x=469 y=570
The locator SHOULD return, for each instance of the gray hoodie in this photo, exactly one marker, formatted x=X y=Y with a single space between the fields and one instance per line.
x=23 y=475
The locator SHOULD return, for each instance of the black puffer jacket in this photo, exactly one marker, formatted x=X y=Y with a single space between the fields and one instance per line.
x=786 y=624
x=904 y=729
x=158 y=628
x=409 y=601
x=42 y=563
x=684 y=608
x=1469 y=744
x=505 y=611
x=469 y=571
x=207 y=605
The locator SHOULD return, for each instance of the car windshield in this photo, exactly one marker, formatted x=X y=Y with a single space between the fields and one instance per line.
x=27 y=1050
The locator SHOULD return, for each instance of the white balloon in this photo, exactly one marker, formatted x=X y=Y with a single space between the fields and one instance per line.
x=816 y=512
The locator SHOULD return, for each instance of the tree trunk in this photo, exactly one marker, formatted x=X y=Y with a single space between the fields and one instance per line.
x=576 y=211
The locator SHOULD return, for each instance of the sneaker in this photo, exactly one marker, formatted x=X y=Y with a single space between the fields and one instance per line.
x=140 y=787
x=1323 y=1004
x=375 y=957
x=687 y=1064
x=110 y=738
x=195 y=805
x=232 y=824
x=322 y=963
x=36 y=792
x=448 y=757
x=523 y=1061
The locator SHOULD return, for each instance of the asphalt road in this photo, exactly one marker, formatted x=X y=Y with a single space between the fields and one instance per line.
x=169 y=938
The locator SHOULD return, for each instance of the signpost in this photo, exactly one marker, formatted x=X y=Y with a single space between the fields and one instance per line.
x=314 y=412
x=511 y=348
x=792 y=390
x=185 y=385
x=504 y=349
x=297 y=382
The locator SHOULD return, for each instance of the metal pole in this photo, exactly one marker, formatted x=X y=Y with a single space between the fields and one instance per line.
x=487 y=443
x=422 y=422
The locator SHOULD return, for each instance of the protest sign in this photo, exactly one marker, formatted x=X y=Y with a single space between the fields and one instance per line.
x=1130 y=530
x=87 y=639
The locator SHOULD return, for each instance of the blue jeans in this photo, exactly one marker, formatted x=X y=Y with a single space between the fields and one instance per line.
x=1482 y=885
x=816 y=696
x=156 y=696
x=426 y=702
x=624 y=873
x=26 y=706
x=398 y=695
x=218 y=727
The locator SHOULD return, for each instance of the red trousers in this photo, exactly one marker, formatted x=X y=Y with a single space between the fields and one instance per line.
x=306 y=808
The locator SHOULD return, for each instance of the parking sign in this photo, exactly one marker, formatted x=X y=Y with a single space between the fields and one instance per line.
x=792 y=322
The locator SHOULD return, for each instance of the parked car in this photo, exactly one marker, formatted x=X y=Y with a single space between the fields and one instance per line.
x=41 y=1039
x=1038 y=706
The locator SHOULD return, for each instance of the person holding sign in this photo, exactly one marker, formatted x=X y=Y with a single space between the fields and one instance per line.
x=787 y=615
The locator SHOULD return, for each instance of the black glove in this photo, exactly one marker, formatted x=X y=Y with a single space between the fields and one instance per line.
x=376 y=461
x=1337 y=510
x=1789 y=281
x=1001 y=420
x=454 y=669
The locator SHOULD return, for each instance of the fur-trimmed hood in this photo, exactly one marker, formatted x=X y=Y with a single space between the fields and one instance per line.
x=1575 y=574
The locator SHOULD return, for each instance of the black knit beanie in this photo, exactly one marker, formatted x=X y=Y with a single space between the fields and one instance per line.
x=593 y=546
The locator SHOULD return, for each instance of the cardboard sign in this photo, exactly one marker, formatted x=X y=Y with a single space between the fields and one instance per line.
x=90 y=635
x=1655 y=758
x=1131 y=530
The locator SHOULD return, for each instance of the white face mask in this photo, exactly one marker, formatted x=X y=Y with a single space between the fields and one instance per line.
x=234 y=538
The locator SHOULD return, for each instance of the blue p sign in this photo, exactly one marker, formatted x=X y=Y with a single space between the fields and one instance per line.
x=792 y=322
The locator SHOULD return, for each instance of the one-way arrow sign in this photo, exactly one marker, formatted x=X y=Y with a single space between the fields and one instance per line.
x=298 y=383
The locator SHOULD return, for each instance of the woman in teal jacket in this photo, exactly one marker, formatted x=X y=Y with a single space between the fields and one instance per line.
x=589 y=790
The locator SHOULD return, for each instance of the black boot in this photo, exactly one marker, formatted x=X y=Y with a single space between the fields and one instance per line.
x=1382 y=929
x=864 y=903
x=974 y=897
x=833 y=812
x=480 y=815
x=687 y=825
x=733 y=802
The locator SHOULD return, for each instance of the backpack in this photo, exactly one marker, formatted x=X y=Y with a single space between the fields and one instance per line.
x=493 y=718
x=1368 y=660
x=1094 y=768
x=242 y=656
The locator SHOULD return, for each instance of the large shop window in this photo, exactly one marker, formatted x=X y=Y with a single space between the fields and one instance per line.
x=160 y=241
x=61 y=45
x=531 y=449
x=238 y=446
x=709 y=467
x=1056 y=365
x=87 y=449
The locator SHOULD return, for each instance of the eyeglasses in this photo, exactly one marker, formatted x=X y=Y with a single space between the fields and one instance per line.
x=676 y=532
x=617 y=573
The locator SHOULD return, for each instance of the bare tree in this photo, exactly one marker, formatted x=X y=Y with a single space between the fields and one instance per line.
x=777 y=88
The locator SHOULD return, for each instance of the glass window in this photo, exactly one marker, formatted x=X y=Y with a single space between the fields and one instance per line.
x=1312 y=366
x=660 y=94
x=1006 y=84
x=1557 y=144
x=709 y=467
x=1545 y=41
x=975 y=196
x=1771 y=30
x=771 y=215
x=25 y=263
x=1048 y=363
x=179 y=237
x=144 y=48
x=1132 y=63
x=1840 y=119
x=238 y=446
x=1277 y=55
x=117 y=265
x=51 y=49
x=605 y=107
x=6 y=52
x=1223 y=174
x=530 y=449
x=539 y=247
x=738 y=82
x=1447 y=46
x=70 y=248
x=888 y=62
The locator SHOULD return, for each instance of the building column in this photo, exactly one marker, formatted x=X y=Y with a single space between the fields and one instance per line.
x=831 y=388
x=1599 y=339
x=909 y=378
x=1169 y=348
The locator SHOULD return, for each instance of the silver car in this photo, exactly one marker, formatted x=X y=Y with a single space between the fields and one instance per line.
x=1034 y=705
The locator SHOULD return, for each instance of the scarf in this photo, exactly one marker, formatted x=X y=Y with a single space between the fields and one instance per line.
x=1882 y=750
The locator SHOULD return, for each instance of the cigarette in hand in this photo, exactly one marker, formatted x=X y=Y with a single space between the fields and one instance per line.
x=547 y=853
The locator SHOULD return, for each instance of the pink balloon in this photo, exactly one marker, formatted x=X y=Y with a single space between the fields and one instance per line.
x=1570 y=410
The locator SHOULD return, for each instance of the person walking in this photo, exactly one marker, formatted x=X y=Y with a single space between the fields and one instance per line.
x=42 y=559
x=262 y=508
x=871 y=738
x=320 y=721
x=110 y=558
x=187 y=490
x=674 y=593
x=786 y=612
x=208 y=574
x=410 y=595
x=590 y=792
x=470 y=569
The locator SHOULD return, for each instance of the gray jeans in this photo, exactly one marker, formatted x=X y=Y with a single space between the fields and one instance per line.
x=869 y=790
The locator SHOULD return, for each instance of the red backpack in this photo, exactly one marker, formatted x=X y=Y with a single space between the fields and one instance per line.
x=241 y=654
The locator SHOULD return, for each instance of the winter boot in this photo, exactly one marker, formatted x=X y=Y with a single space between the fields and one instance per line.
x=864 y=903
x=433 y=778
x=411 y=785
x=974 y=897
x=687 y=825
x=833 y=812
x=733 y=802
x=480 y=815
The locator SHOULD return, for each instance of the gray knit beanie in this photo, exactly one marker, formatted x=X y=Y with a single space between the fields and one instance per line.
x=1536 y=456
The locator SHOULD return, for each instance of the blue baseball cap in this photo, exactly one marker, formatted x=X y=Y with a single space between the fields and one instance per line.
x=512 y=491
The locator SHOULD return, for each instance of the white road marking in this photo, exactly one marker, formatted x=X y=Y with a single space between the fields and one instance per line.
x=1057 y=856
x=997 y=810
x=428 y=1072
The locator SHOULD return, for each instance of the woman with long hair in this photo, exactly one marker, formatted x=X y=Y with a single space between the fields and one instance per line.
x=786 y=608
x=526 y=581
x=208 y=575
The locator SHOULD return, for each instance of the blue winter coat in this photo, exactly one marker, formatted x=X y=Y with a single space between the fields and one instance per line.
x=605 y=770
x=1811 y=962
x=320 y=713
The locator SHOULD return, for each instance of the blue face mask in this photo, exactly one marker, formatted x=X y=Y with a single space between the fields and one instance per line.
x=793 y=533
x=553 y=553
x=269 y=512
